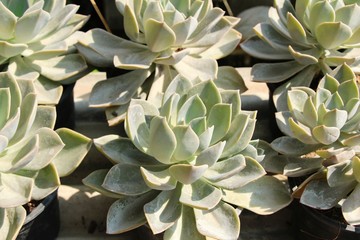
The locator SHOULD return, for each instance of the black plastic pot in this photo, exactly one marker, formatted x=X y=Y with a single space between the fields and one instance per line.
x=65 y=109
x=43 y=222
x=314 y=224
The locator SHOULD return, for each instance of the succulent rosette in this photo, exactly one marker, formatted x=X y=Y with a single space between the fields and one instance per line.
x=37 y=44
x=322 y=143
x=309 y=39
x=32 y=155
x=187 y=165
x=165 y=38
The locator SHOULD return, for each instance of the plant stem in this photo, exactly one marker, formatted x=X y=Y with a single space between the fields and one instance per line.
x=100 y=16
x=228 y=8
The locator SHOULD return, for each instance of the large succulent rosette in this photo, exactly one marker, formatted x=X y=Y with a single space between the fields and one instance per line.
x=307 y=40
x=32 y=155
x=165 y=38
x=37 y=44
x=322 y=143
x=187 y=165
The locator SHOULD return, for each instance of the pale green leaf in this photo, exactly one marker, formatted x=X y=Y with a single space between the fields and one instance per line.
x=225 y=168
x=221 y=222
x=136 y=127
x=131 y=26
x=162 y=212
x=184 y=227
x=187 y=173
x=7 y=23
x=296 y=30
x=210 y=155
x=193 y=108
x=74 y=151
x=158 y=35
x=351 y=208
x=252 y=171
x=162 y=140
x=201 y=195
x=251 y=196
x=356 y=167
x=318 y=194
x=59 y=68
x=30 y=24
x=48 y=146
x=127 y=213
x=220 y=117
x=326 y=135
x=187 y=142
x=338 y=31
x=12 y=219
x=46 y=181
x=16 y=190
x=158 y=179
x=275 y=72
x=192 y=67
x=19 y=155
x=321 y=12
x=122 y=150
x=95 y=181
x=126 y=180
x=117 y=90
x=340 y=174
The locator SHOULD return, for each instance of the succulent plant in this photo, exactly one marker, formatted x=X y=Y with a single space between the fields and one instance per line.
x=186 y=165
x=322 y=143
x=166 y=37
x=307 y=40
x=32 y=155
x=37 y=44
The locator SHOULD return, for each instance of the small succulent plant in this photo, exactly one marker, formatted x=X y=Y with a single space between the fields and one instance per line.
x=322 y=142
x=166 y=38
x=186 y=165
x=309 y=39
x=37 y=44
x=32 y=155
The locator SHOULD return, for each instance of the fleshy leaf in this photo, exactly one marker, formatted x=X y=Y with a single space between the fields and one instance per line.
x=318 y=194
x=16 y=190
x=252 y=171
x=158 y=179
x=162 y=212
x=46 y=181
x=187 y=173
x=125 y=179
x=219 y=117
x=12 y=219
x=251 y=196
x=74 y=151
x=221 y=222
x=351 y=208
x=95 y=181
x=158 y=35
x=181 y=228
x=201 y=195
x=127 y=213
x=225 y=168
x=187 y=142
x=162 y=140
x=338 y=30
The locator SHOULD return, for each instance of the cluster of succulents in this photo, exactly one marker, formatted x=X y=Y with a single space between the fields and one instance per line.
x=166 y=38
x=37 y=44
x=186 y=165
x=32 y=155
x=322 y=143
x=311 y=38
